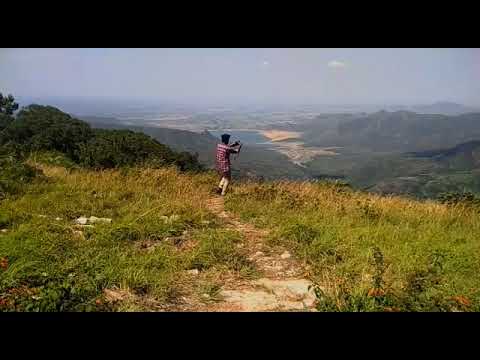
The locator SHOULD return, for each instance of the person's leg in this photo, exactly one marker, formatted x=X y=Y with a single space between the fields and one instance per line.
x=220 y=185
x=225 y=183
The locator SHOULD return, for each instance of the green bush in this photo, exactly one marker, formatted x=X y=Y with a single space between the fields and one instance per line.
x=5 y=121
x=46 y=128
x=119 y=148
x=14 y=175
x=465 y=198
x=53 y=158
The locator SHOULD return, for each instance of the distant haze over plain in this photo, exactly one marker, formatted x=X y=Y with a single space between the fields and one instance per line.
x=246 y=76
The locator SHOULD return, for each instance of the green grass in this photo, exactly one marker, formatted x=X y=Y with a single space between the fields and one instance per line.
x=365 y=252
x=428 y=252
x=50 y=266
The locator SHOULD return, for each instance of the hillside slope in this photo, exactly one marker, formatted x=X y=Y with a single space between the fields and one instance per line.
x=167 y=249
x=398 y=131
x=434 y=172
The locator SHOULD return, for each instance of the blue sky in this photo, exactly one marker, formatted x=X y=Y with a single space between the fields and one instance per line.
x=324 y=76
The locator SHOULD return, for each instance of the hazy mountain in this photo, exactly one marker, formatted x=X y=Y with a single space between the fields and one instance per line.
x=464 y=156
x=402 y=131
x=431 y=173
x=445 y=108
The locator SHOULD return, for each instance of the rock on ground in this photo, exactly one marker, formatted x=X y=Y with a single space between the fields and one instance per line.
x=279 y=295
x=92 y=220
x=81 y=220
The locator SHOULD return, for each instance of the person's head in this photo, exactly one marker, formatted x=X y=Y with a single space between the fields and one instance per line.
x=225 y=138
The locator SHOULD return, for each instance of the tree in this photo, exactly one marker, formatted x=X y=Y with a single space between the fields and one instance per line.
x=46 y=128
x=5 y=120
x=117 y=148
x=7 y=105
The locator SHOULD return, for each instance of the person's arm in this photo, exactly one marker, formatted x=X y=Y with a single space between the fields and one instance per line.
x=235 y=147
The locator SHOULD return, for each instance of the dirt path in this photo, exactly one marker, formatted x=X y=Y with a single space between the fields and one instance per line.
x=283 y=285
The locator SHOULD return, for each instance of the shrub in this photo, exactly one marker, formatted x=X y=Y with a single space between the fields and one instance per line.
x=119 y=148
x=5 y=121
x=47 y=129
x=14 y=175
x=454 y=198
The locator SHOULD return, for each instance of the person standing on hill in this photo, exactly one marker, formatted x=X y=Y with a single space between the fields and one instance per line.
x=223 y=162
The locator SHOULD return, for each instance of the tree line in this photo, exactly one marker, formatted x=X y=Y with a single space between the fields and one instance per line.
x=36 y=128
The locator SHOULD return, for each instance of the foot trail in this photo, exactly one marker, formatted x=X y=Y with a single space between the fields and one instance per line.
x=283 y=285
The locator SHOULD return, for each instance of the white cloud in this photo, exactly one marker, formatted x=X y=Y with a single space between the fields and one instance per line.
x=266 y=63
x=336 y=64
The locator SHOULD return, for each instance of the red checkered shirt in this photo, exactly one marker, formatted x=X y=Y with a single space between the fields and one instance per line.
x=223 y=157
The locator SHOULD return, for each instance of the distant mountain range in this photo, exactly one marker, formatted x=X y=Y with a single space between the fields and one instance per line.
x=440 y=107
x=399 y=131
x=445 y=108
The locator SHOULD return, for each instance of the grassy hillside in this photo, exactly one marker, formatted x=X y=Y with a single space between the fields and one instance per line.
x=160 y=228
x=368 y=253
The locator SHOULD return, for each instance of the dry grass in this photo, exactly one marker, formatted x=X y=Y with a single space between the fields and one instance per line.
x=368 y=252
x=70 y=267
x=337 y=231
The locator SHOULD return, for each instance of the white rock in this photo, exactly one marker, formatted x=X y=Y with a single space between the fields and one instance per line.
x=193 y=272
x=58 y=218
x=94 y=219
x=4 y=231
x=295 y=289
x=81 y=220
x=285 y=255
x=251 y=300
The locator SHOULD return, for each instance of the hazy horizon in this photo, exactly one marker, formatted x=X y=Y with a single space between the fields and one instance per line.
x=246 y=76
